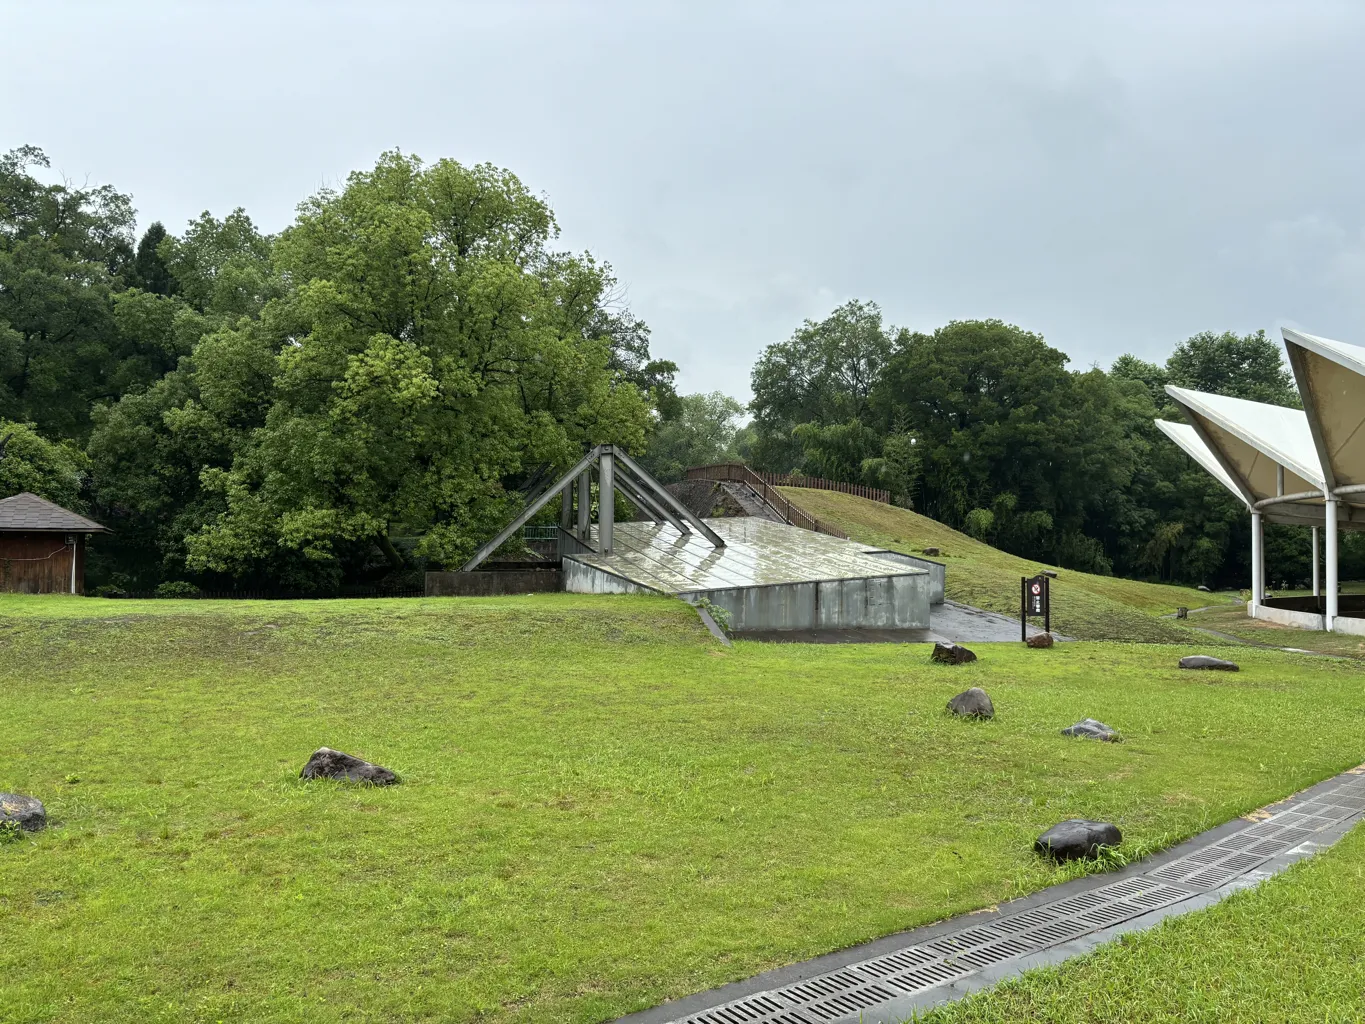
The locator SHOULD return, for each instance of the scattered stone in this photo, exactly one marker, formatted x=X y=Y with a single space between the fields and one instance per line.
x=1092 y=730
x=24 y=811
x=1208 y=662
x=1040 y=640
x=929 y=551
x=952 y=654
x=972 y=703
x=327 y=763
x=1204 y=589
x=1182 y=612
x=1077 y=838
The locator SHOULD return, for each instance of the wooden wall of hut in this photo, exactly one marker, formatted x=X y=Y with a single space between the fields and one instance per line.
x=40 y=563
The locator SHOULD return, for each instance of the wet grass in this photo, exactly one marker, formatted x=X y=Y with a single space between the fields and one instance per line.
x=1084 y=606
x=602 y=807
x=1286 y=951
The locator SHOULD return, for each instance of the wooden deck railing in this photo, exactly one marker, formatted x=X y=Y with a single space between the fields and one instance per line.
x=737 y=472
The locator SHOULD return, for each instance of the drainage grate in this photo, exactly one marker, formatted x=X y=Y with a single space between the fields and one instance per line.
x=928 y=976
x=851 y=993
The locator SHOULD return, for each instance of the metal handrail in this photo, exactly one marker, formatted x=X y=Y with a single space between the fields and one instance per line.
x=737 y=472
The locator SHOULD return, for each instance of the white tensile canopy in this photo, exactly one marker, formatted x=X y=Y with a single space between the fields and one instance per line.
x=1304 y=468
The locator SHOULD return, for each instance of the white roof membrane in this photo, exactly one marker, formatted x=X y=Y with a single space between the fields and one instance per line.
x=1331 y=379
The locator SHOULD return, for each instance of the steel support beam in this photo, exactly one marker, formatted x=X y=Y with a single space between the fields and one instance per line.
x=637 y=493
x=584 y=506
x=671 y=502
x=530 y=510
x=606 y=500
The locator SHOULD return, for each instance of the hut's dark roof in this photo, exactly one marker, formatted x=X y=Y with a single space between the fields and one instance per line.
x=30 y=513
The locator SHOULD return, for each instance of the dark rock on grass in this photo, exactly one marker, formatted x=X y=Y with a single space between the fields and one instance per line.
x=1208 y=662
x=952 y=654
x=24 y=811
x=973 y=703
x=1040 y=640
x=1092 y=730
x=1182 y=612
x=929 y=551
x=327 y=763
x=1077 y=838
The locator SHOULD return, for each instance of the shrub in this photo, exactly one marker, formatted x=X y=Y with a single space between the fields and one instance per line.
x=177 y=588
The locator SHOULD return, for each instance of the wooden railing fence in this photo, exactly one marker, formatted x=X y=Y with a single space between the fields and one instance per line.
x=717 y=471
x=737 y=472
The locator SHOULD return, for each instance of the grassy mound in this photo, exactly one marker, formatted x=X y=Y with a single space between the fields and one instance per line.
x=1085 y=606
x=601 y=806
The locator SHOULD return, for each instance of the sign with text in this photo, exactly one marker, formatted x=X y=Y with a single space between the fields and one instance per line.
x=1035 y=598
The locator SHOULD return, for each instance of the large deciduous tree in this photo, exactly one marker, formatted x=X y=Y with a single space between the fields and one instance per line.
x=429 y=350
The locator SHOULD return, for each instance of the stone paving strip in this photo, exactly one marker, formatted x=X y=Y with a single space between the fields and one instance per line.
x=892 y=978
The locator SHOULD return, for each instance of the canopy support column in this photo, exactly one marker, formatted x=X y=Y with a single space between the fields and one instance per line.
x=1331 y=528
x=1317 y=579
x=1257 y=569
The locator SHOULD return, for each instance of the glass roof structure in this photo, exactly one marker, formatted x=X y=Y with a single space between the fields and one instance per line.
x=757 y=553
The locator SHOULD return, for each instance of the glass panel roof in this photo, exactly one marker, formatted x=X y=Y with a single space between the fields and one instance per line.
x=757 y=553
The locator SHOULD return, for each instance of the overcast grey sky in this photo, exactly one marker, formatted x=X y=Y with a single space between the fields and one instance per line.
x=1114 y=177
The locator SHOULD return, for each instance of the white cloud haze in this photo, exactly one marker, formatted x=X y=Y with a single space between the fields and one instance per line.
x=1116 y=177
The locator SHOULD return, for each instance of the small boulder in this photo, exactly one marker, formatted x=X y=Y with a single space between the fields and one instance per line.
x=1207 y=662
x=1050 y=573
x=952 y=654
x=929 y=551
x=24 y=811
x=1077 y=838
x=1092 y=730
x=327 y=763
x=1182 y=612
x=973 y=703
x=1204 y=589
x=1040 y=640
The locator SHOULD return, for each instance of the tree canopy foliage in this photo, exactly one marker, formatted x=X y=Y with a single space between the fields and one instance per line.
x=984 y=426
x=366 y=391
x=373 y=389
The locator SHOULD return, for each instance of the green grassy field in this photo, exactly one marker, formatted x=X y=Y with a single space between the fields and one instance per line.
x=602 y=807
x=1287 y=951
x=1084 y=606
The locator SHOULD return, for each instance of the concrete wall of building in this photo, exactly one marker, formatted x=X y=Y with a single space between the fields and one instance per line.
x=878 y=602
x=1305 y=613
x=938 y=572
x=581 y=578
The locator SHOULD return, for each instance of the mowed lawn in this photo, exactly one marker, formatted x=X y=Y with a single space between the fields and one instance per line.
x=602 y=807
x=1084 y=605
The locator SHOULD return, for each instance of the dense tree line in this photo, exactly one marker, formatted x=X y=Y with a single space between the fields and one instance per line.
x=374 y=389
x=982 y=425
x=365 y=393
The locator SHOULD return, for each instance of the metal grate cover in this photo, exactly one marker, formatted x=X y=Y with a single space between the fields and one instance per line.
x=849 y=994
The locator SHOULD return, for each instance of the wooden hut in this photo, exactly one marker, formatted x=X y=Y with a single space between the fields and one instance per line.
x=42 y=546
